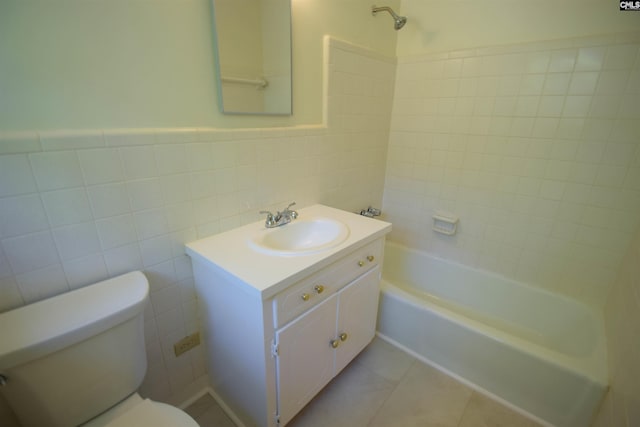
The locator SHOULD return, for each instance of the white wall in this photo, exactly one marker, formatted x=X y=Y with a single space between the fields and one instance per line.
x=442 y=26
x=135 y=63
x=621 y=407
x=100 y=64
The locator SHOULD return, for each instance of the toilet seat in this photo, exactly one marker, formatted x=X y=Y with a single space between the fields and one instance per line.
x=137 y=412
x=156 y=414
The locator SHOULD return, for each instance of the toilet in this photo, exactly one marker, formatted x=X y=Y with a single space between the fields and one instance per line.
x=78 y=359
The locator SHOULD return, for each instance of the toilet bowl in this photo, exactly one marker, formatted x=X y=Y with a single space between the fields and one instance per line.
x=137 y=412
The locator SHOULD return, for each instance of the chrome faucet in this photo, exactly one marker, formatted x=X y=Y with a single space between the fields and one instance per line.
x=280 y=218
x=370 y=212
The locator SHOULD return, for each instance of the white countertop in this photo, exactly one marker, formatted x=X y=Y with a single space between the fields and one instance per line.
x=268 y=274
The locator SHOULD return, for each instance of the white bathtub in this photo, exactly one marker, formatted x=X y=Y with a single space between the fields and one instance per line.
x=542 y=353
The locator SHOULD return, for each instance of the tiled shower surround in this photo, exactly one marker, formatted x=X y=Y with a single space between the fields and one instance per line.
x=78 y=207
x=536 y=147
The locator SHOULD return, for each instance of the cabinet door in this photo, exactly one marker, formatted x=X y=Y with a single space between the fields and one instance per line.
x=357 y=313
x=305 y=357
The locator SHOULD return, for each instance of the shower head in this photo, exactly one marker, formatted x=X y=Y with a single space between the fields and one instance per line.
x=399 y=20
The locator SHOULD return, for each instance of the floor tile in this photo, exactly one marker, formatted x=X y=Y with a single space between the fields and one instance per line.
x=214 y=416
x=484 y=412
x=350 y=400
x=386 y=360
x=425 y=397
x=200 y=406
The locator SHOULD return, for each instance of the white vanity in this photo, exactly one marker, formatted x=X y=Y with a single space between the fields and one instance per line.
x=285 y=309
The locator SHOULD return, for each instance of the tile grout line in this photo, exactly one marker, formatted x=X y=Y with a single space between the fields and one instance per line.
x=466 y=406
x=391 y=393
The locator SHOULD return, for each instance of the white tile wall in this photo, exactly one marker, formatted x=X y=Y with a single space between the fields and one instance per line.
x=22 y=215
x=66 y=207
x=536 y=147
x=78 y=207
x=15 y=175
x=101 y=166
x=54 y=170
x=621 y=406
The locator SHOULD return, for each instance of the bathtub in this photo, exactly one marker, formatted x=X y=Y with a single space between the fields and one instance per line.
x=540 y=353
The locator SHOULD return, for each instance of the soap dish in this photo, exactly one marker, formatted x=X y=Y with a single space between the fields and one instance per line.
x=445 y=223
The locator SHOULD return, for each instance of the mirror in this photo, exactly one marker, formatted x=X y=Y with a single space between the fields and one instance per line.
x=253 y=55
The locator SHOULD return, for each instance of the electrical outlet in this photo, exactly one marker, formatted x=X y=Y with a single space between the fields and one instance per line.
x=186 y=343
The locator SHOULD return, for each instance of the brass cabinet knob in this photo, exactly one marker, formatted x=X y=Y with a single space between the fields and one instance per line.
x=335 y=343
x=305 y=297
x=343 y=336
x=361 y=263
x=370 y=258
x=318 y=288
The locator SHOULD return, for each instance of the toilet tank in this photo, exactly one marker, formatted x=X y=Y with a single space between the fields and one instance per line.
x=69 y=358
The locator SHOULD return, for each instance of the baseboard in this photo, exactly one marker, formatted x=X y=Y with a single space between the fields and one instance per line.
x=190 y=393
x=227 y=410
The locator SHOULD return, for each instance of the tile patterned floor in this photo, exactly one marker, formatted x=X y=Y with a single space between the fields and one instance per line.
x=207 y=413
x=385 y=387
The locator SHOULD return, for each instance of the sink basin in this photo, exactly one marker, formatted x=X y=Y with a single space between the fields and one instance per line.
x=301 y=237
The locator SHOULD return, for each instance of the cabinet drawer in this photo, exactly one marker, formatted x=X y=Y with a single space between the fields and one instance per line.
x=311 y=290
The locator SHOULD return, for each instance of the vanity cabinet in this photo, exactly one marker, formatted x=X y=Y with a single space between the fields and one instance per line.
x=277 y=329
x=315 y=347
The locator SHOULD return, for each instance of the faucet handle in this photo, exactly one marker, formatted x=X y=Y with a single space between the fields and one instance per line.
x=271 y=219
x=269 y=214
x=293 y=214
x=374 y=211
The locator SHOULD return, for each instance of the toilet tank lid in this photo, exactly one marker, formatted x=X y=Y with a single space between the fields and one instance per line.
x=33 y=331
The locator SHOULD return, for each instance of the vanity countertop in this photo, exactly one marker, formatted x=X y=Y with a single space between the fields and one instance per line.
x=267 y=274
